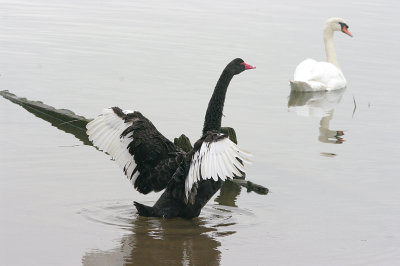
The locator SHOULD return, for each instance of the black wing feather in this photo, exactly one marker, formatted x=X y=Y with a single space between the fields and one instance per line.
x=155 y=156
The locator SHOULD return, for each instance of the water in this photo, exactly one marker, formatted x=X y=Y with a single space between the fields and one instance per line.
x=332 y=169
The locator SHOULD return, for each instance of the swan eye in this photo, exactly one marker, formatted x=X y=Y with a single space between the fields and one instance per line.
x=343 y=25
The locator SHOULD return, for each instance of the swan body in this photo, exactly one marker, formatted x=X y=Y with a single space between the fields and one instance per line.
x=153 y=163
x=311 y=75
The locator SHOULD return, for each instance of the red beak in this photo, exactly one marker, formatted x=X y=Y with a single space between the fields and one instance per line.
x=345 y=30
x=247 y=66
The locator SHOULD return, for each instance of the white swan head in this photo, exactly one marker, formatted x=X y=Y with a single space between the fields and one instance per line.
x=338 y=24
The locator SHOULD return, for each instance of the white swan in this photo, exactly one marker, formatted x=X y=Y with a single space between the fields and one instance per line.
x=311 y=75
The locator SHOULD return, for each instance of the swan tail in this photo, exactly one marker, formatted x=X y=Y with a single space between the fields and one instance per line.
x=144 y=210
x=304 y=86
x=300 y=86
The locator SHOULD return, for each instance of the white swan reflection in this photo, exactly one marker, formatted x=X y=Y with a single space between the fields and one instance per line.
x=319 y=104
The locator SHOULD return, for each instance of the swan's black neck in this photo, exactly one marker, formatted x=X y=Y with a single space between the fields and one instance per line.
x=216 y=105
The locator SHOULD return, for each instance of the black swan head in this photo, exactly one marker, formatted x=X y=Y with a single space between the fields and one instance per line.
x=237 y=66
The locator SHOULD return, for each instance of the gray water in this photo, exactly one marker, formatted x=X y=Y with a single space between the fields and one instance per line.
x=330 y=160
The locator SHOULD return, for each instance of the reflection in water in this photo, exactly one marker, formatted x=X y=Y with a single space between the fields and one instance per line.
x=161 y=242
x=154 y=241
x=325 y=134
x=228 y=194
x=319 y=104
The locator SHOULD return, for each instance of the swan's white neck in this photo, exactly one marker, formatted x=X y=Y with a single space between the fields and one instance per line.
x=329 y=47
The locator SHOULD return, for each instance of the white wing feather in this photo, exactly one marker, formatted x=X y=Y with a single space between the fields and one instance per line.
x=105 y=133
x=219 y=159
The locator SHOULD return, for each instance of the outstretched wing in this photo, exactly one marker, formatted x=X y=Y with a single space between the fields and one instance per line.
x=147 y=158
x=215 y=157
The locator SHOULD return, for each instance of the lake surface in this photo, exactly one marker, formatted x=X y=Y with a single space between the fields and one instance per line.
x=330 y=160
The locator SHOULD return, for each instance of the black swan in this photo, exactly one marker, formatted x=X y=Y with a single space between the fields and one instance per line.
x=153 y=163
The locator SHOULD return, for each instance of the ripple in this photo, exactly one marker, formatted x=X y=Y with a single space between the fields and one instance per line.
x=122 y=214
x=115 y=213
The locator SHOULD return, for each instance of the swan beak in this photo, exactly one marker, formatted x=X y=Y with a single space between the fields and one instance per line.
x=247 y=66
x=345 y=30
